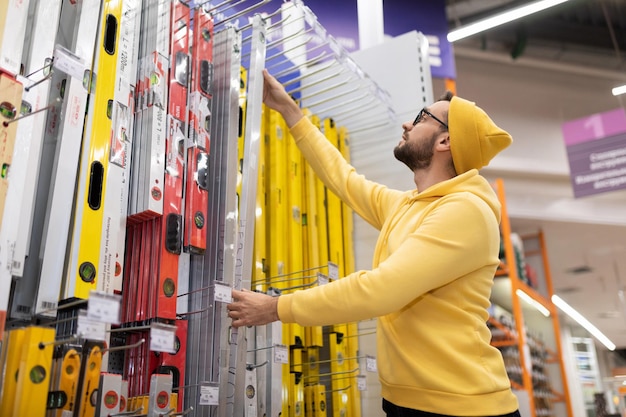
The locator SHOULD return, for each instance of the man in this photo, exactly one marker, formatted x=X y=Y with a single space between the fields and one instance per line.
x=433 y=264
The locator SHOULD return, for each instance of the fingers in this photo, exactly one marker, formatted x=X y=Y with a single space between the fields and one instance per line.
x=234 y=314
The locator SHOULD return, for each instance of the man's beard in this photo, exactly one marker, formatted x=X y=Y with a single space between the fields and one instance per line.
x=417 y=155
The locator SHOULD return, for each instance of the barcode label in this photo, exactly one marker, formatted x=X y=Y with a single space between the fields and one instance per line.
x=23 y=309
x=48 y=305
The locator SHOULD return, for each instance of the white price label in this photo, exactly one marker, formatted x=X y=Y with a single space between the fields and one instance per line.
x=209 y=395
x=333 y=271
x=370 y=364
x=281 y=354
x=321 y=279
x=104 y=307
x=162 y=338
x=361 y=383
x=90 y=329
x=223 y=293
x=65 y=61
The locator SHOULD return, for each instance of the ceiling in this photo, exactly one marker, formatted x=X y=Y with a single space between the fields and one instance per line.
x=587 y=261
x=589 y=33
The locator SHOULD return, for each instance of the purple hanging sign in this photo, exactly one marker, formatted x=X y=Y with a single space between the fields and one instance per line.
x=596 y=149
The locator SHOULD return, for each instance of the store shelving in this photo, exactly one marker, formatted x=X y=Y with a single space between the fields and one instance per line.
x=524 y=321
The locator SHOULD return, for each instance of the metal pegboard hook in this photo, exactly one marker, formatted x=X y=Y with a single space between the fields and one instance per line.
x=172 y=412
x=242 y=13
x=285 y=51
x=190 y=313
x=252 y=366
x=288 y=274
x=338 y=389
x=64 y=306
x=264 y=18
x=48 y=107
x=280 y=41
x=128 y=413
x=290 y=59
x=339 y=115
x=194 y=291
x=342 y=104
x=48 y=65
x=71 y=339
x=321 y=91
x=274 y=26
x=125 y=347
x=36 y=83
x=297 y=287
x=304 y=64
x=217 y=6
x=337 y=96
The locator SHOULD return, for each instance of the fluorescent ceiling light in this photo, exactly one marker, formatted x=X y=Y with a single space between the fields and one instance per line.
x=533 y=302
x=499 y=19
x=619 y=90
x=580 y=319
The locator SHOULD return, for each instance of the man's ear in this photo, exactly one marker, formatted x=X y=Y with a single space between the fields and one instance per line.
x=443 y=143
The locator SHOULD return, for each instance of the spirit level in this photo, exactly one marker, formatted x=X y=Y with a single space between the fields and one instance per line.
x=171 y=224
x=89 y=380
x=66 y=125
x=200 y=95
x=11 y=357
x=69 y=374
x=13 y=18
x=33 y=377
x=10 y=100
x=84 y=265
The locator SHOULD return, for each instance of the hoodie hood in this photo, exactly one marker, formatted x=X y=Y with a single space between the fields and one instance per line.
x=468 y=182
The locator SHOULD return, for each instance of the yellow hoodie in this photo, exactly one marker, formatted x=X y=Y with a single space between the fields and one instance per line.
x=429 y=286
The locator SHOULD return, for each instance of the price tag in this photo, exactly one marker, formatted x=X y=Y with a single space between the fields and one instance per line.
x=162 y=338
x=209 y=394
x=333 y=271
x=67 y=62
x=370 y=364
x=361 y=382
x=281 y=354
x=321 y=279
x=104 y=307
x=223 y=292
x=90 y=329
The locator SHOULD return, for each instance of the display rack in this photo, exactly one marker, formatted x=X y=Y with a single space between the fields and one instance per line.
x=524 y=321
x=178 y=190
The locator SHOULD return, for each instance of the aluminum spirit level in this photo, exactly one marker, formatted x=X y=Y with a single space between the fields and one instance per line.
x=69 y=131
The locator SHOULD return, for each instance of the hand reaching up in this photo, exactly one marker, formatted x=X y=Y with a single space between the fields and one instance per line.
x=275 y=97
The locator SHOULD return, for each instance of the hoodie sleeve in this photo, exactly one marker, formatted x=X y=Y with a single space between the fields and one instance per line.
x=368 y=199
x=455 y=240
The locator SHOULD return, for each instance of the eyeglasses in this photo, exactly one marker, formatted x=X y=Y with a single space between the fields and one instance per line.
x=420 y=117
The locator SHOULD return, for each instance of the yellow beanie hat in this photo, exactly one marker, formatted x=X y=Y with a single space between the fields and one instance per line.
x=474 y=137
